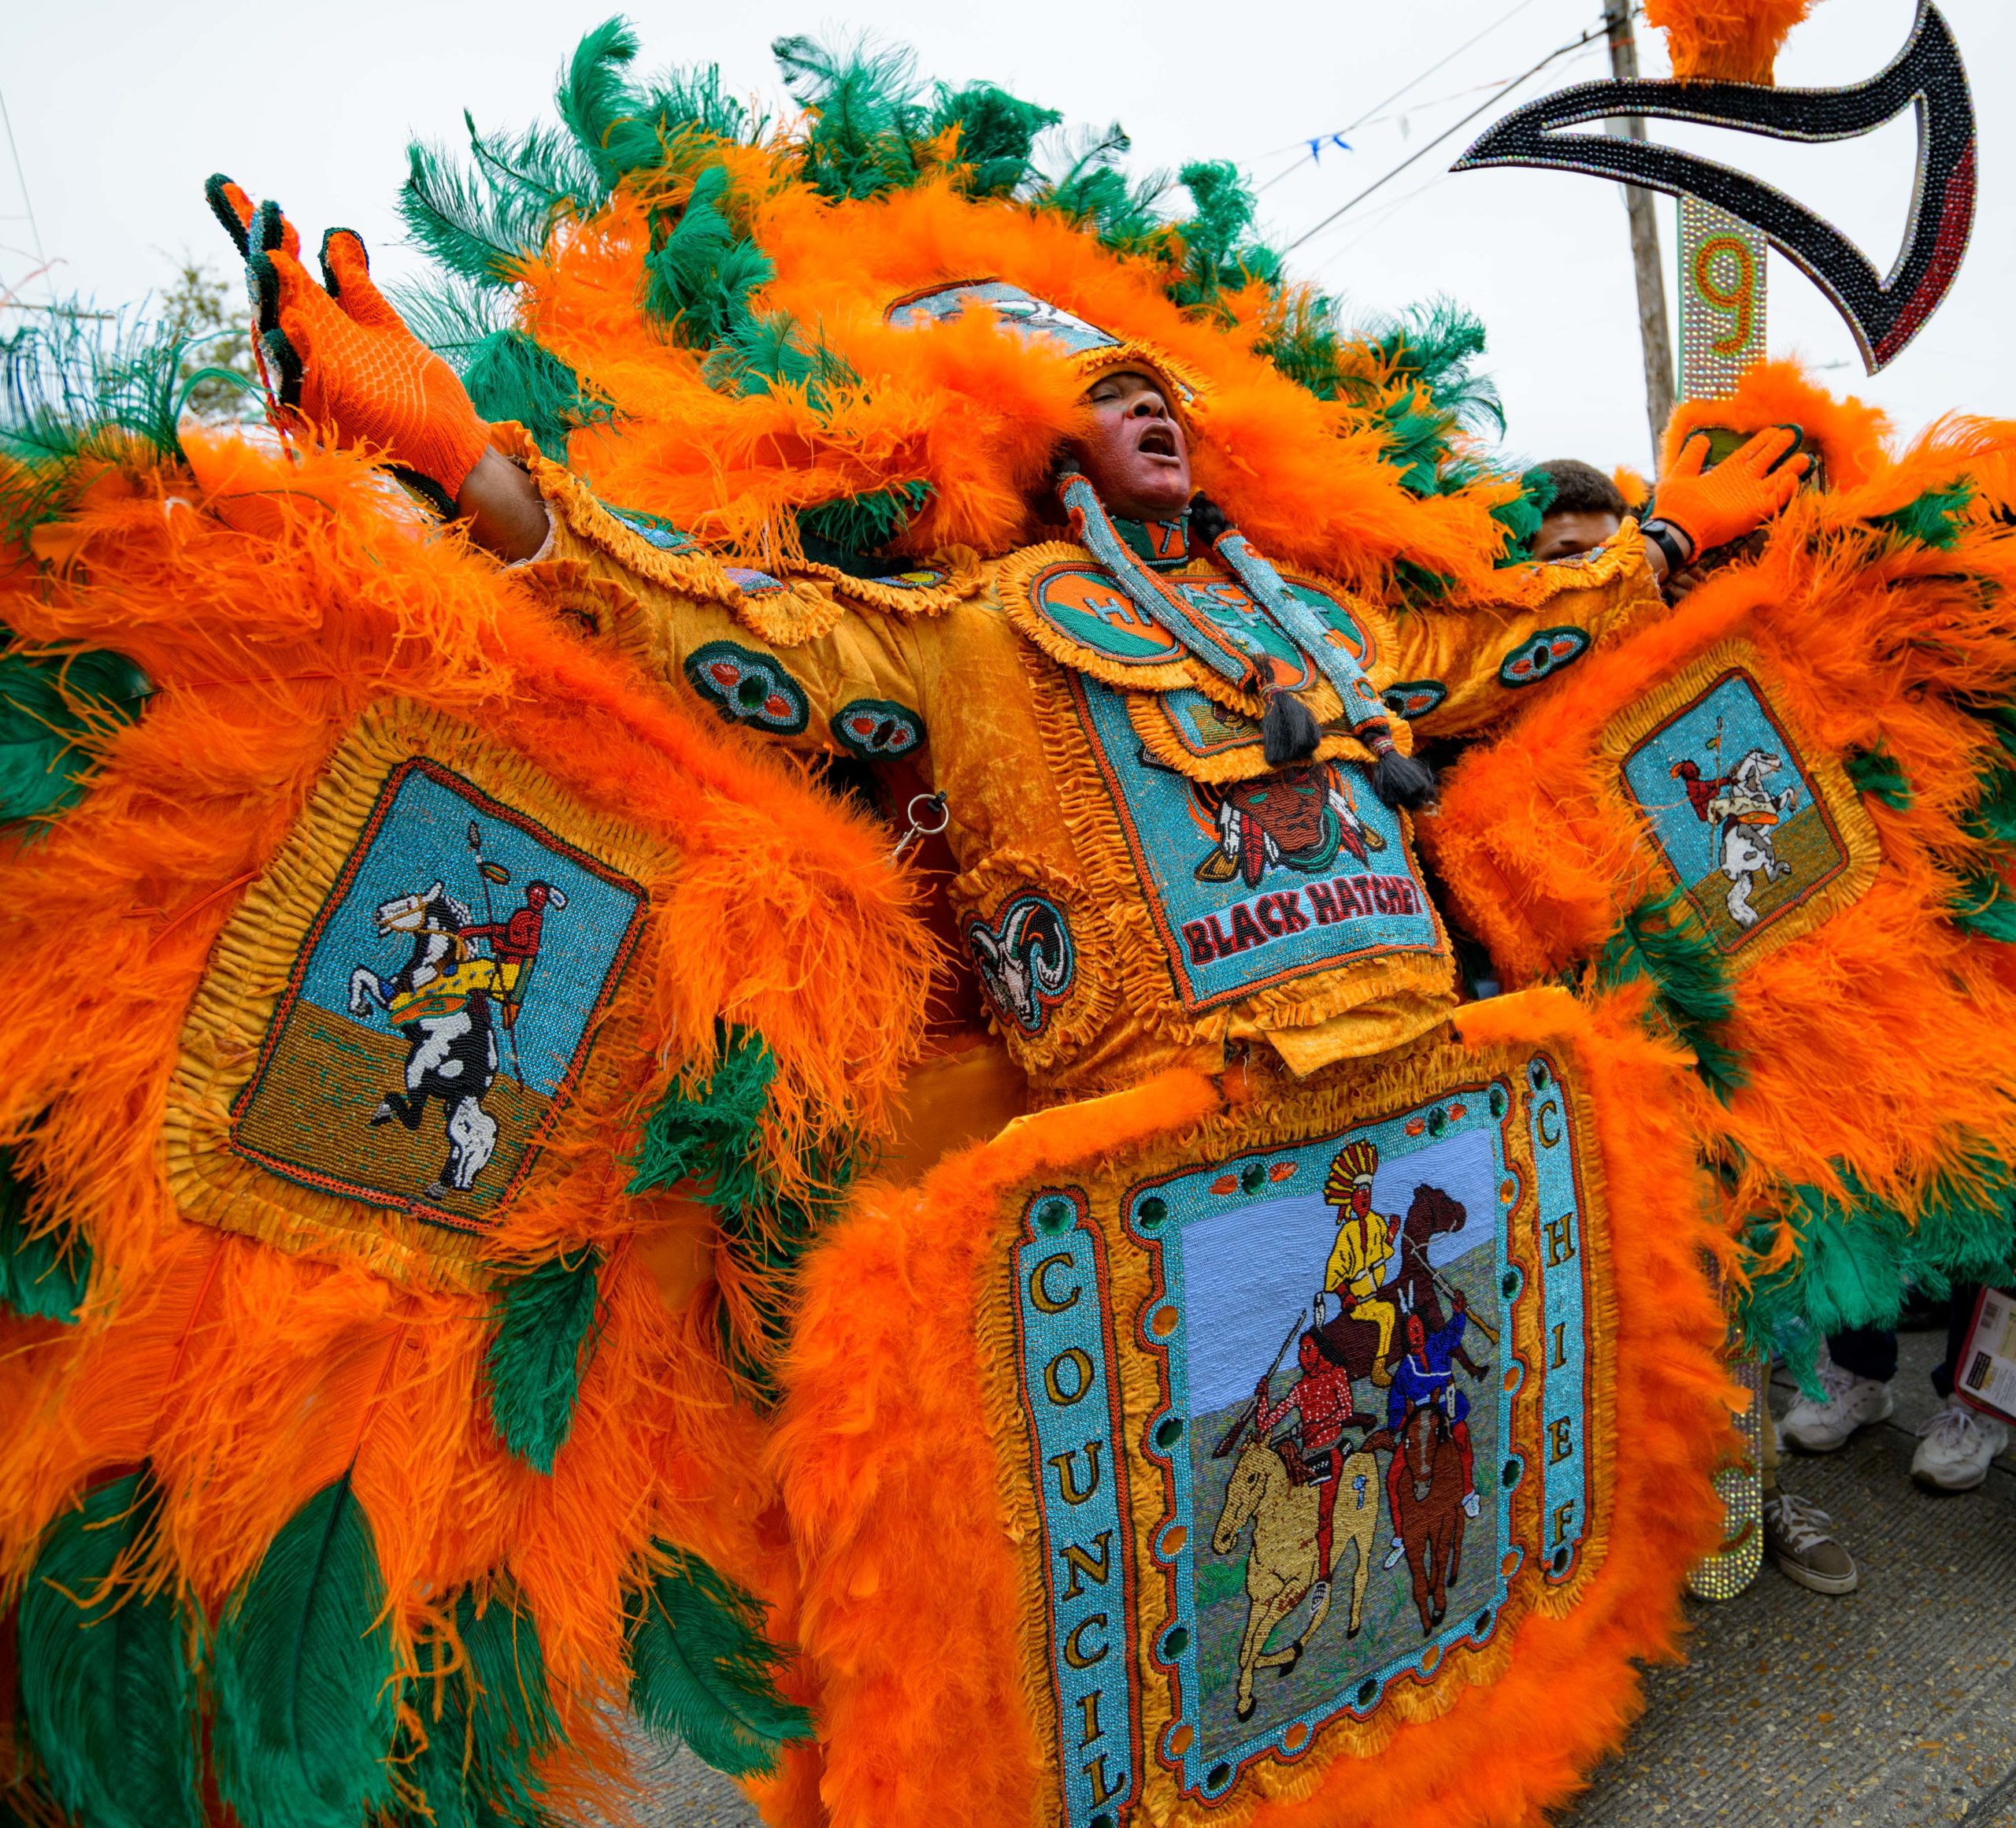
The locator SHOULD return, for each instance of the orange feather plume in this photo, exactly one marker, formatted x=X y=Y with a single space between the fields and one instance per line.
x=1725 y=41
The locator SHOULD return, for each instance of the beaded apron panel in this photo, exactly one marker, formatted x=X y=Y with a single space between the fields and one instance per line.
x=1195 y=1666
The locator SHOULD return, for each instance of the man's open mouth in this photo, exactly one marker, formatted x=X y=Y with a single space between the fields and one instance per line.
x=1157 y=441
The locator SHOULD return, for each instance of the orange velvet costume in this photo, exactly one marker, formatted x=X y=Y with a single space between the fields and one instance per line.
x=1015 y=717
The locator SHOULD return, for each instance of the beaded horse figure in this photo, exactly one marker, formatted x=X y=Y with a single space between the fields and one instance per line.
x=1428 y=1519
x=440 y=1001
x=1281 y=1565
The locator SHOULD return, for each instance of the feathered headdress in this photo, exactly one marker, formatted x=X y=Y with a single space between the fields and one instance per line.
x=739 y=326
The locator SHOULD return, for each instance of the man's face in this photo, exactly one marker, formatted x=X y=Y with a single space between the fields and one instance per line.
x=1417 y=1333
x=1306 y=1356
x=1563 y=535
x=1134 y=452
x=1361 y=1200
x=535 y=895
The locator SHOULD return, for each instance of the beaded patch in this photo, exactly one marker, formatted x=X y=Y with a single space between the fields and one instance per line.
x=1413 y=698
x=1254 y=883
x=1205 y=728
x=877 y=729
x=751 y=582
x=1200 y=1420
x=1542 y=655
x=1010 y=305
x=748 y=688
x=1734 y=810
x=1027 y=961
x=1089 y=611
x=404 y=1007
x=654 y=529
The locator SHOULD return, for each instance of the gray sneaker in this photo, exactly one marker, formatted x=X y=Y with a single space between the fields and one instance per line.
x=1847 y=1403
x=1957 y=1448
x=1796 y=1533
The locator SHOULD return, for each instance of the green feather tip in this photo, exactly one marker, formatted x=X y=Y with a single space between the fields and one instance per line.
x=1658 y=940
x=1875 y=772
x=1858 y=1254
x=53 y=708
x=305 y=1677
x=42 y=1274
x=701 y=1668
x=868 y=522
x=105 y=1689
x=1933 y=519
x=485 y=1726
x=711 y=1135
x=544 y=1341
x=702 y=273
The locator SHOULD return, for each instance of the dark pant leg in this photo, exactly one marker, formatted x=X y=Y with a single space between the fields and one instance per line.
x=1868 y=1351
x=1959 y=1316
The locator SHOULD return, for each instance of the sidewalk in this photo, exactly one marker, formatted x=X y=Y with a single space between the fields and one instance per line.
x=1893 y=1706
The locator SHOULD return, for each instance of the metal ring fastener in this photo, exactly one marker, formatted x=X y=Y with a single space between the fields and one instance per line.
x=934 y=807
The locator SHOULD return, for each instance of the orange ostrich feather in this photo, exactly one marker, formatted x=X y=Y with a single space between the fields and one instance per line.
x=1871 y=1045
x=271 y=599
x=1725 y=41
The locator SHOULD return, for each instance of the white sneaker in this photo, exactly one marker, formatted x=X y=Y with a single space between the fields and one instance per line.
x=1957 y=1446
x=1850 y=1402
x=1395 y=1555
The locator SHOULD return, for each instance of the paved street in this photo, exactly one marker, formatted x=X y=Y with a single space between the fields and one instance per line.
x=1892 y=1708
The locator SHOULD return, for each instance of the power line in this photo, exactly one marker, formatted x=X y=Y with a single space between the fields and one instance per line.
x=1413 y=82
x=1439 y=64
x=1483 y=107
x=21 y=178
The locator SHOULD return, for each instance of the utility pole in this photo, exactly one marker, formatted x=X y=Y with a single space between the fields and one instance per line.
x=1652 y=332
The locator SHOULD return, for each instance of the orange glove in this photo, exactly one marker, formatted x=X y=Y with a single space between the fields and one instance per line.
x=343 y=357
x=1712 y=507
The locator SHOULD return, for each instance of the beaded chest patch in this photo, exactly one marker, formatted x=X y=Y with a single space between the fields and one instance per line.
x=1255 y=883
x=1310 y=1420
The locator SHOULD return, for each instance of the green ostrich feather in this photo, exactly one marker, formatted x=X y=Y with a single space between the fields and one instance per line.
x=105 y=1689
x=84 y=386
x=544 y=1342
x=702 y=1668
x=55 y=710
x=304 y=1676
x=866 y=113
x=703 y=271
x=1656 y=940
x=1985 y=900
x=1875 y=772
x=1521 y=516
x=772 y=349
x=1934 y=519
x=998 y=136
x=1858 y=1255
x=868 y=522
x=1092 y=190
x=42 y=1274
x=711 y=1134
x=622 y=128
x=486 y=1725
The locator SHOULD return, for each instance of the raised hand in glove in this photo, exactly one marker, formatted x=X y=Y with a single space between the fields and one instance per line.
x=341 y=356
x=1711 y=507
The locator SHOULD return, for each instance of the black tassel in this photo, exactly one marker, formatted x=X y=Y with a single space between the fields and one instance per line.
x=1287 y=732
x=1398 y=780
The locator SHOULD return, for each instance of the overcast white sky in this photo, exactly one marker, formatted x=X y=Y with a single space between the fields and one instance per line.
x=120 y=109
